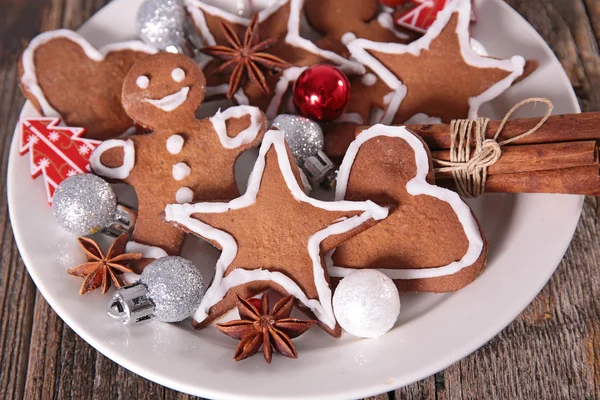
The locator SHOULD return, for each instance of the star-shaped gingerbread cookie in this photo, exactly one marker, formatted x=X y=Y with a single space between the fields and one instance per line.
x=434 y=79
x=431 y=241
x=280 y=20
x=274 y=236
x=439 y=75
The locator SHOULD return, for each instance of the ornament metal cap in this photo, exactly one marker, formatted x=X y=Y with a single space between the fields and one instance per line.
x=320 y=169
x=131 y=305
x=123 y=221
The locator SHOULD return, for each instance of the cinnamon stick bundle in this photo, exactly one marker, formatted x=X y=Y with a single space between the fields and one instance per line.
x=560 y=157
x=558 y=128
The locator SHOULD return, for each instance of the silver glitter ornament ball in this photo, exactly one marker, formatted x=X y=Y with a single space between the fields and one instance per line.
x=175 y=286
x=303 y=136
x=161 y=23
x=366 y=303
x=84 y=204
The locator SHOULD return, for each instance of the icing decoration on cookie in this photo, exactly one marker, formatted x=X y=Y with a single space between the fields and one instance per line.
x=145 y=250
x=142 y=81
x=63 y=75
x=184 y=195
x=56 y=152
x=422 y=119
x=467 y=82
x=369 y=79
x=431 y=241
x=181 y=170
x=291 y=47
x=287 y=257
x=336 y=20
x=120 y=172
x=182 y=158
x=171 y=101
x=175 y=144
x=178 y=75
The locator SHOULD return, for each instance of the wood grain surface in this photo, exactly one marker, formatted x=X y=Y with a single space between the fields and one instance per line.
x=551 y=351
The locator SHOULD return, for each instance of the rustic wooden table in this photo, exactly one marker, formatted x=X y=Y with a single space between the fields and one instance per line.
x=552 y=350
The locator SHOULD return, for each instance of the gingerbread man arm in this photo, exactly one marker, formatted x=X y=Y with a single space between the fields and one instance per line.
x=114 y=159
x=240 y=127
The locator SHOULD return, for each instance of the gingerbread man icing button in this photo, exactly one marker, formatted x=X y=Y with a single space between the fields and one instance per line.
x=183 y=159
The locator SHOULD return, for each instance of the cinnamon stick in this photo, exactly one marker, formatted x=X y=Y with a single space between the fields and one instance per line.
x=558 y=128
x=535 y=157
x=577 y=180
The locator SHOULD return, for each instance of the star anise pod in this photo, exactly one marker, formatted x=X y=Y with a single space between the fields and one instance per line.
x=271 y=330
x=100 y=269
x=245 y=57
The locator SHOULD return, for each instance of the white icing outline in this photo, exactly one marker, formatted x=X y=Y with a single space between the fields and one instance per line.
x=358 y=48
x=422 y=119
x=351 y=117
x=175 y=144
x=289 y=75
x=369 y=79
x=244 y=137
x=178 y=75
x=146 y=250
x=172 y=101
x=121 y=172
x=386 y=21
x=322 y=308
x=416 y=186
x=29 y=78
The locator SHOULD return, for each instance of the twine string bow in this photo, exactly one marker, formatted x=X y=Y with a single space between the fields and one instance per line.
x=470 y=169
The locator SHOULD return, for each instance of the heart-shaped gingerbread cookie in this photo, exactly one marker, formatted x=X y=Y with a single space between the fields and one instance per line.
x=431 y=241
x=64 y=76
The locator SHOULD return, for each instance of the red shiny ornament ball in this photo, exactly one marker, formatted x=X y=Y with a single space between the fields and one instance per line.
x=321 y=93
x=255 y=302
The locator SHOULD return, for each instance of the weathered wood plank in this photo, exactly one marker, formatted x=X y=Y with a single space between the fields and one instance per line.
x=17 y=292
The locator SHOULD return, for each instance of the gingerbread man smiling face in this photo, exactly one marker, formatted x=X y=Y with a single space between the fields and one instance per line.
x=160 y=92
x=183 y=159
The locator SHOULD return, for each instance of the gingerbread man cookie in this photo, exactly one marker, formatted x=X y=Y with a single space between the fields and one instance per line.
x=431 y=241
x=64 y=76
x=183 y=159
x=274 y=236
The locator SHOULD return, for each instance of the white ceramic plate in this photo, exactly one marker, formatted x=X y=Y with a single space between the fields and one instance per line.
x=528 y=235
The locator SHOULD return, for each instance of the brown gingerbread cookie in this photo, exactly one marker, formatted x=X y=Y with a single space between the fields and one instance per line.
x=336 y=19
x=279 y=22
x=183 y=159
x=274 y=236
x=64 y=76
x=438 y=77
x=431 y=241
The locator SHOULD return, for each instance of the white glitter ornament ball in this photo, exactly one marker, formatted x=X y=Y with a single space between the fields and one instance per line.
x=366 y=303
x=304 y=136
x=161 y=23
x=175 y=286
x=84 y=204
